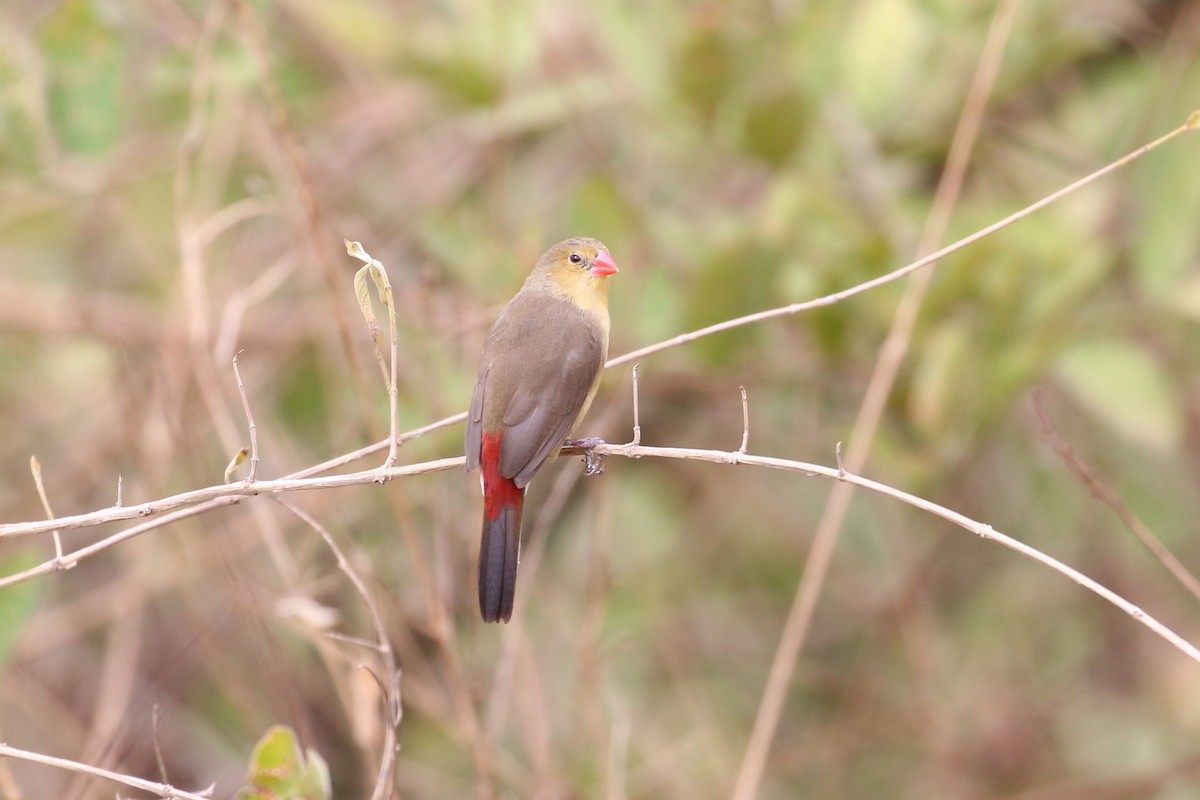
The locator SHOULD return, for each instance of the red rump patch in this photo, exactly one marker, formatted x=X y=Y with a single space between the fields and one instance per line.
x=498 y=492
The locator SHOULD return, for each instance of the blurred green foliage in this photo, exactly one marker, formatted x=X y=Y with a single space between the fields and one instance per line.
x=176 y=180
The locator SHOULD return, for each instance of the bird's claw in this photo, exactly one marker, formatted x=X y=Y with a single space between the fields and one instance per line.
x=593 y=462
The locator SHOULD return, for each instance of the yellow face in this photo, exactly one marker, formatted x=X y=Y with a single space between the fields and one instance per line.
x=578 y=270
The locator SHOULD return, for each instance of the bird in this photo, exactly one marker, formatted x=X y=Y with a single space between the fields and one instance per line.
x=538 y=372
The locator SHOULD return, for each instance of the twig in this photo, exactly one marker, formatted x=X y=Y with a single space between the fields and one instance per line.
x=227 y=495
x=237 y=373
x=229 y=492
x=71 y=559
x=158 y=756
x=745 y=421
x=363 y=452
x=160 y=789
x=383 y=286
x=9 y=790
x=981 y=529
x=1088 y=477
x=637 y=425
x=35 y=467
x=390 y=685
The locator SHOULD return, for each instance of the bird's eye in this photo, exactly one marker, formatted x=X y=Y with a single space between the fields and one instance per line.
x=576 y=258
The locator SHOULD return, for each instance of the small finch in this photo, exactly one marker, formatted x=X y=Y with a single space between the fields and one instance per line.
x=538 y=373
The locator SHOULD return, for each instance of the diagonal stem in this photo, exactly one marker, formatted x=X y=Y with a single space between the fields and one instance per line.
x=895 y=347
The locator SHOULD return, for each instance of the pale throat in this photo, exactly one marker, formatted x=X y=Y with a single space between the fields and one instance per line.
x=590 y=295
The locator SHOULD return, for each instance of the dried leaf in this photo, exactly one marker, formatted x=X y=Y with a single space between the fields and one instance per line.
x=364 y=304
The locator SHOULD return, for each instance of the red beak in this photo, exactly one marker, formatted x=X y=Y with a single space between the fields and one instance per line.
x=604 y=265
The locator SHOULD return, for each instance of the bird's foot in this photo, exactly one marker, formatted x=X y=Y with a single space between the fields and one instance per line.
x=593 y=462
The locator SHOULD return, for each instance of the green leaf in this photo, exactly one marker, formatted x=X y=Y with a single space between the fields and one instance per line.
x=1124 y=388
x=279 y=771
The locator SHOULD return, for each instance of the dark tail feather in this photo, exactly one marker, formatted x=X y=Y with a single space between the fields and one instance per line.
x=499 y=550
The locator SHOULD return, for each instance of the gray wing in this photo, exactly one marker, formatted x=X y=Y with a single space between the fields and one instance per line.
x=541 y=414
x=540 y=406
x=474 y=435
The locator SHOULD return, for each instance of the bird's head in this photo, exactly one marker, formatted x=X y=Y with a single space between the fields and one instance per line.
x=577 y=269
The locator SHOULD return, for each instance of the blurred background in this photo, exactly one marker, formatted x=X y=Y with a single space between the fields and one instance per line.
x=176 y=179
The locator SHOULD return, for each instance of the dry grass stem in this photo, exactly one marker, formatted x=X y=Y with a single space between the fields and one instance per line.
x=879 y=388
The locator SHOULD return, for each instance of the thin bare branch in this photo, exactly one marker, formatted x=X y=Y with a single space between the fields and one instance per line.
x=9 y=790
x=158 y=755
x=390 y=686
x=71 y=559
x=1101 y=491
x=227 y=495
x=371 y=449
x=745 y=421
x=229 y=492
x=35 y=467
x=250 y=426
x=981 y=529
x=637 y=423
x=160 y=789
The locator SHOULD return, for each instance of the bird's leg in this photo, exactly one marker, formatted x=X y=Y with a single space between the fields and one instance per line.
x=593 y=462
